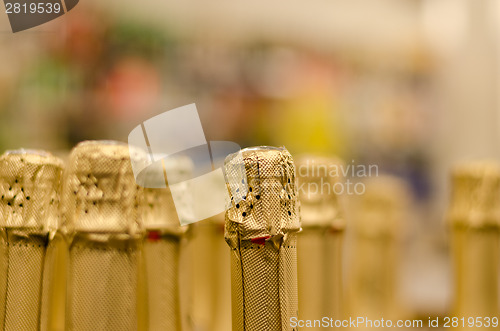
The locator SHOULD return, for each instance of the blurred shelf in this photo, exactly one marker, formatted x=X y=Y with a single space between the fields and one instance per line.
x=377 y=31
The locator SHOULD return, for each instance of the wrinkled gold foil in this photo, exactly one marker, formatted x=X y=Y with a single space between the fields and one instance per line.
x=29 y=186
x=474 y=218
x=320 y=242
x=261 y=231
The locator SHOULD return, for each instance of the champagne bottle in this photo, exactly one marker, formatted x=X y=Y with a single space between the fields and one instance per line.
x=320 y=242
x=261 y=230
x=29 y=189
x=101 y=221
x=474 y=219
x=162 y=245
x=378 y=217
x=209 y=272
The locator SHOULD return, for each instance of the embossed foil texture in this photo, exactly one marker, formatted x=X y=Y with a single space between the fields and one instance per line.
x=261 y=229
x=29 y=183
x=102 y=225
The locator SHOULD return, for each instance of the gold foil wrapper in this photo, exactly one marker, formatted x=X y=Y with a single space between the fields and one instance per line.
x=475 y=195
x=378 y=217
x=320 y=187
x=474 y=218
x=158 y=211
x=101 y=208
x=29 y=189
x=29 y=186
x=381 y=210
x=261 y=230
x=321 y=239
x=162 y=246
x=100 y=193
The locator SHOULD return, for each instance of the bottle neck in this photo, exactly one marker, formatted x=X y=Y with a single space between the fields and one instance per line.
x=476 y=256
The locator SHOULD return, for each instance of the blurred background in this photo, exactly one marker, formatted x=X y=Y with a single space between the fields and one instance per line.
x=408 y=85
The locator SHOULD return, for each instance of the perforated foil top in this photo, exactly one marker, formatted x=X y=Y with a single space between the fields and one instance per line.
x=29 y=184
x=261 y=229
x=320 y=186
x=380 y=210
x=99 y=190
x=475 y=195
x=158 y=208
x=269 y=207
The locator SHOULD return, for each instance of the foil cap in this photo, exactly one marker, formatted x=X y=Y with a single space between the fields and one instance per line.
x=269 y=207
x=99 y=190
x=158 y=208
x=382 y=208
x=475 y=195
x=29 y=189
x=320 y=186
